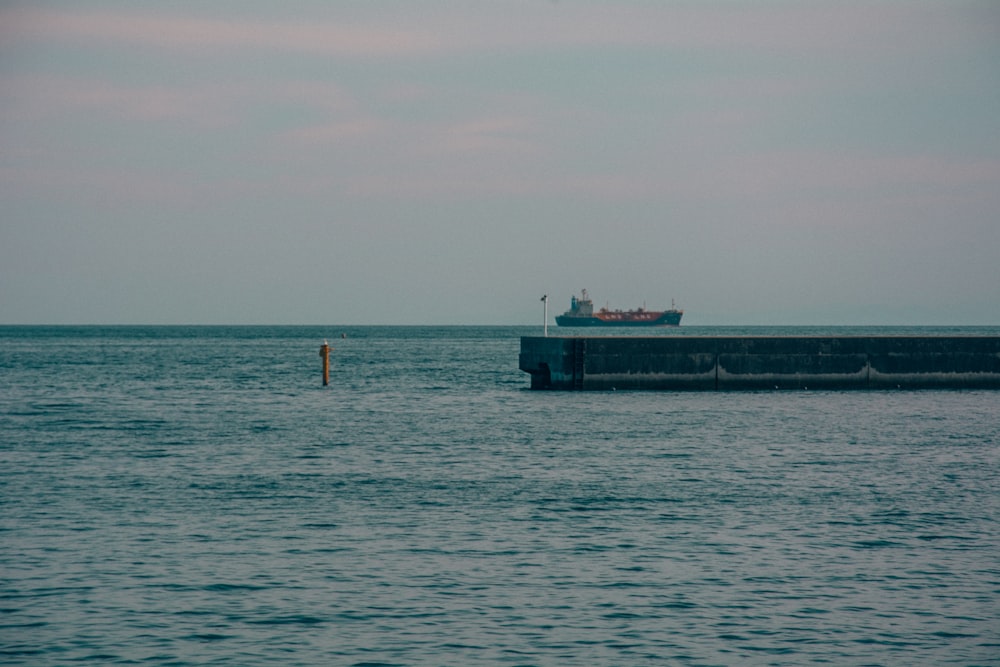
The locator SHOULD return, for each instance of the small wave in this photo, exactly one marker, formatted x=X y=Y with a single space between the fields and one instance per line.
x=207 y=637
x=291 y=619
x=675 y=604
x=876 y=544
x=225 y=588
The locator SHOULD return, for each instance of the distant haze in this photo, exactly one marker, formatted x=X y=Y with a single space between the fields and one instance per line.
x=447 y=162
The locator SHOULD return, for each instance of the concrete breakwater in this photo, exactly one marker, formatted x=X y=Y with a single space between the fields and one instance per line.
x=761 y=362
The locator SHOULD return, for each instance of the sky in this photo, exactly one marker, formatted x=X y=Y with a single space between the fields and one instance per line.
x=449 y=162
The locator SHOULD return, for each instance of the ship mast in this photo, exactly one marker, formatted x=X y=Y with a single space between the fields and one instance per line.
x=545 y=315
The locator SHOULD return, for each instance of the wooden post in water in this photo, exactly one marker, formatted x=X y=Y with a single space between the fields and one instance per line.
x=324 y=352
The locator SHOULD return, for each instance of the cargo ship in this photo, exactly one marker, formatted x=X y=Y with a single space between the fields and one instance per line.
x=581 y=314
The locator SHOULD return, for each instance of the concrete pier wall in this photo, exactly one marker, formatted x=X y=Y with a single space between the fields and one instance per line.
x=761 y=362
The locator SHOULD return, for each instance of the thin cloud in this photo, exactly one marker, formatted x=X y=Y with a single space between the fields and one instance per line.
x=410 y=31
x=171 y=32
x=335 y=132
x=503 y=134
x=37 y=96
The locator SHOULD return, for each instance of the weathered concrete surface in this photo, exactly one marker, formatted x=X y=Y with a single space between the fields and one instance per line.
x=761 y=362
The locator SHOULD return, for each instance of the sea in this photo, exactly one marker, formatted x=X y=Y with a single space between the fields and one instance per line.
x=194 y=495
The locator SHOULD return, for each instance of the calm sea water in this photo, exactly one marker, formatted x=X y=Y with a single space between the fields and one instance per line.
x=193 y=495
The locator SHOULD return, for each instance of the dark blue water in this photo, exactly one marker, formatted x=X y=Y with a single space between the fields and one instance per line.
x=190 y=496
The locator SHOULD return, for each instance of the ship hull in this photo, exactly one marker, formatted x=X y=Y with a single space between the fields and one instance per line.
x=667 y=319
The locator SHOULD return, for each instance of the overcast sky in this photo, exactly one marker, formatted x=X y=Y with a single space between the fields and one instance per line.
x=440 y=162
